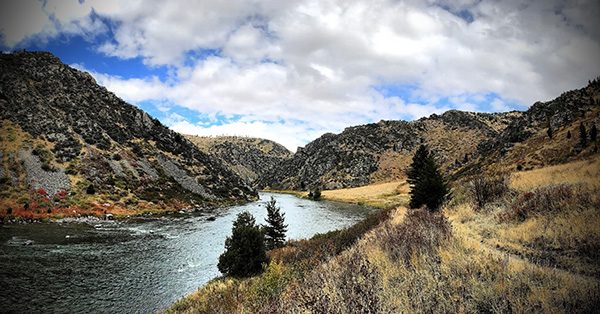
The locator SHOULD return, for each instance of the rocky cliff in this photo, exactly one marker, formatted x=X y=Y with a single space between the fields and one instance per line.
x=65 y=131
x=249 y=157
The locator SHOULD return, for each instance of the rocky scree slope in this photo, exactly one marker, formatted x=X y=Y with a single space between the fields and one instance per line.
x=249 y=157
x=463 y=142
x=72 y=126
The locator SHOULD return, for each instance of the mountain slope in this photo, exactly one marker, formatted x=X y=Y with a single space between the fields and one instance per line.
x=464 y=142
x=381 y=151
x=79 y=131
x=249 y=157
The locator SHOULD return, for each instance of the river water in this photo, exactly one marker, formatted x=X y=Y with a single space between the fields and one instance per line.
x=136 y=266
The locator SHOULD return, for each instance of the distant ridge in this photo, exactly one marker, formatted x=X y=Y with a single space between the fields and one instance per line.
x=249 y=157
x=463 y=142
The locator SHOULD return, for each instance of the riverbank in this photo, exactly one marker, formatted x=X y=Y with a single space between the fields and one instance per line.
x=381 y=195
x=46 y=210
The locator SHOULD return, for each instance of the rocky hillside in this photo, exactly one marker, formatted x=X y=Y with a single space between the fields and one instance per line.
x=249 y=157
x=463 y=142
x=62 y=132
x=381 y=151
x=548 y=133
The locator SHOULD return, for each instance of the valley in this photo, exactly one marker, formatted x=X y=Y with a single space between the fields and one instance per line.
x=519 y=232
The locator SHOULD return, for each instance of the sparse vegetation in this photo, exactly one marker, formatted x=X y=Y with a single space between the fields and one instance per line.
x=487 y=188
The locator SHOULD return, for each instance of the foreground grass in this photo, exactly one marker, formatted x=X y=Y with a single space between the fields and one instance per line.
x=532 y=248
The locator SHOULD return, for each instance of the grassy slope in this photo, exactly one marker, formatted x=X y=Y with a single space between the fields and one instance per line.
x=545 y=262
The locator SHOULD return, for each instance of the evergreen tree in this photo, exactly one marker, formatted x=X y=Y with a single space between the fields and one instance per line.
x=428 y=185
x=245 y=251
x=582 y=136
x=550 y=131
x=276 y=228
x=593 y=133
x=568 y=135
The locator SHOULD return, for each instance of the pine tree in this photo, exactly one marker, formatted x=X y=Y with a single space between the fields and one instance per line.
x=550 y=131
x=582 y=136
x=428 y=185
x=568 y=135
x=593 y=133
x=276 y=228
x=245 y=251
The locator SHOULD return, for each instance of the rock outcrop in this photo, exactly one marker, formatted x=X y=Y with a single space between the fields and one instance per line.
x=249 y=157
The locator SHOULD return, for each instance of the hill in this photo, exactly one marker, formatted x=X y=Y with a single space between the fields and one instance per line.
x=249 y=157
x=62 y=133
x=380 y=152
x=463 y=142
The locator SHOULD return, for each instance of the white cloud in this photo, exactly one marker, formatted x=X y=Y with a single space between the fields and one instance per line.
x=319 y=61
x=289 y=134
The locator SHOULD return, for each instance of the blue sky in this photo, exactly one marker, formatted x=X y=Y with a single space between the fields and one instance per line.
x=290 y=71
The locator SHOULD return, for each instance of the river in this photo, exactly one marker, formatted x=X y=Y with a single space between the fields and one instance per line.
x=139 y=265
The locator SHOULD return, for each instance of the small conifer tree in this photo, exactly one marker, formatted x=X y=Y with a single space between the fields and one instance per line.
x=550 y=131
x=428 y=185
x=582 y=135
x=245 y=251
x=568 y=135
x=593 y=133
x=276 y=228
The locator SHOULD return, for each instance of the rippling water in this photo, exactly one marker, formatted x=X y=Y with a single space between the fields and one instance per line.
x=138 y=266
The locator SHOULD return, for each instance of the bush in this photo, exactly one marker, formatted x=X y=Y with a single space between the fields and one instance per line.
x=90 y=189
x=552 y=199
x=420 y=232
x=5 y=180
x=315 y=194
x=484 y=189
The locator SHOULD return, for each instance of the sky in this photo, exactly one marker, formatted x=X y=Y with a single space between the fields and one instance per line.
x=290 y=71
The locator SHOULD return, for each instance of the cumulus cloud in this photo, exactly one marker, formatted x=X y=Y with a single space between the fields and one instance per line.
x=322 y=63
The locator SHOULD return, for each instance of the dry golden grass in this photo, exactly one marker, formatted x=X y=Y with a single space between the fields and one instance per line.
x=544 y=263
x=383 y=195
x=584 y=171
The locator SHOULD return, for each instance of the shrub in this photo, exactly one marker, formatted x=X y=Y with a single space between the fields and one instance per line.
x=5 y=180
x=484 y=189
x=546 y=200
x=350 y=285
x=90 y=189
x=315 y=194
x=23 y=200
x=46 y=166
x=420 y=232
